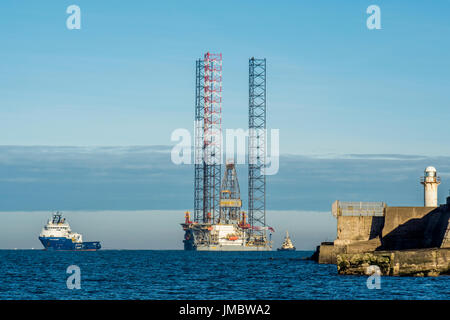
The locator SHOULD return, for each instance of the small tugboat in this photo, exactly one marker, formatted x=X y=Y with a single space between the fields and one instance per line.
x=56 y=235
x=287 y=244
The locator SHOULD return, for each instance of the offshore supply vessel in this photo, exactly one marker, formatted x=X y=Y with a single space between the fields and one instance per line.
x=57 y=235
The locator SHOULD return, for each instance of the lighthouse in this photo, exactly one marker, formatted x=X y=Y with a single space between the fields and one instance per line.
x=430 y=183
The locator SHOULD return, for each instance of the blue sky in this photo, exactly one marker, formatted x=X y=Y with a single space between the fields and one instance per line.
x=127 y=77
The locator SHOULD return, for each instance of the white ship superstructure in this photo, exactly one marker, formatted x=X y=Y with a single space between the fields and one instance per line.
x=58 y=227
x=287 y=244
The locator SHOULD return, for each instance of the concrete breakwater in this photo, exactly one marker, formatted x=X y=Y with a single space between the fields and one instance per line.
x=399 y=240
x=420 y=262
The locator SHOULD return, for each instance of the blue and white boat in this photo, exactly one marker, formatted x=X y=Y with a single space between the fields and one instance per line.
x=56 y=235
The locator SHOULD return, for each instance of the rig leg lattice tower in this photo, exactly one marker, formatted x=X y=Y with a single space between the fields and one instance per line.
x=198 y=140
x=212 y=136
x=257 y=148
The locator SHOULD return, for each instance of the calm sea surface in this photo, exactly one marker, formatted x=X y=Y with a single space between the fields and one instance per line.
x=117 y=274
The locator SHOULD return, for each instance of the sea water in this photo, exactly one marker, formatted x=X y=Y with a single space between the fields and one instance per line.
x=145 y=274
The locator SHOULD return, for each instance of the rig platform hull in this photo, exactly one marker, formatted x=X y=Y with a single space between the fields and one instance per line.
x=232 y=248
x=221 y=237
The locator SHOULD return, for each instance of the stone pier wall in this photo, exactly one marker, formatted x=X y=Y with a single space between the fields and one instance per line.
x=420 y=262
x=401 y=228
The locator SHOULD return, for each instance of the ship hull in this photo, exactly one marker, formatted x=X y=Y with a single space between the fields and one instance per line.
x=282 y=249
x=64 y=244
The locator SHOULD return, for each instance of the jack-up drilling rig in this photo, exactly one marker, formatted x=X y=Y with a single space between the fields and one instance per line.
x=219 y=224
